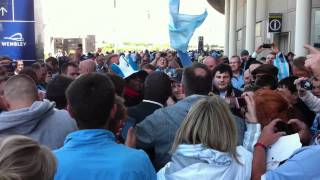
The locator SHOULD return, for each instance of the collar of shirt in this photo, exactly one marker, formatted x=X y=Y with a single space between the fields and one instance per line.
x=153 y=102
x=223 y=94
x=86 y=137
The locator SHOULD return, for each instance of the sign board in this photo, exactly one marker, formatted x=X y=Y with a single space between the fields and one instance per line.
x=275 y=22
x=17 y=29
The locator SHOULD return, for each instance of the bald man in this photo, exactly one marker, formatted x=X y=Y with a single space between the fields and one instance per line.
x=87 y=66
x=211 y=62
x=30 y=117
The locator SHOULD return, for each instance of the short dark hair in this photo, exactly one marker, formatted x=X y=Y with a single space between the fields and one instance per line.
x=290 y=54
x=196 y=84
x=288 y=83
x=28 y=71
x=53 y=60
x=239 y=59
x=120 y=114
x=36 y=66
x=149 y=66
x=222 y=68
x=118 y=83
x=64 y=67
x=265 y=80
x=299 y=63
x=91 y=98
x=56 y=89
x=263 y=59
x=163 y=54
x=157 y=87
x=266 y=69
x=244 y=53
x=257 y=62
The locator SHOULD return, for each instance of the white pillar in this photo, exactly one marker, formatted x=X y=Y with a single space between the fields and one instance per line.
x=251 y=25
x=232 y=28
x=303 y=26
x=227 y=22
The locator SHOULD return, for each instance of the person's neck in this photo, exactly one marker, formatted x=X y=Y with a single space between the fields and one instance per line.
x=236 y=73
x=19 y=106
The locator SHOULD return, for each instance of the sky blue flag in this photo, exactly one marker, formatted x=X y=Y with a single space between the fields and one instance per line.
x=182 y=26
x=283 y=66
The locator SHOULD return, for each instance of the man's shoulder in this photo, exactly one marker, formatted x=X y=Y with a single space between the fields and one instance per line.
x=108 y=160
x=303 y=164
x=118 y=153
x=172 y=110
x=134 y=155
x=308 y=151
x=61 y=117
x=142 y=107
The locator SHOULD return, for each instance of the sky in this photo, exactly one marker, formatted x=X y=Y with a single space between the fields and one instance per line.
x=128 y=20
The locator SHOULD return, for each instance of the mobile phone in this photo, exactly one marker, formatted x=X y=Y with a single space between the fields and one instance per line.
x=267 y=45
x=284 y=127
x=240 y=102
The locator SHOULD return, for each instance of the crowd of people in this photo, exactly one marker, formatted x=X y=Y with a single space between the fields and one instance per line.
x=152 y=115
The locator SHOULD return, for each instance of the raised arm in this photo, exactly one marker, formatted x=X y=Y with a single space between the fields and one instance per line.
x=253 y=127
x=267 y=138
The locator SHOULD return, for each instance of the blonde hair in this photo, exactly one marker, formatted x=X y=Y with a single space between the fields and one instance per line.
x=22 y=158
x=210 y=123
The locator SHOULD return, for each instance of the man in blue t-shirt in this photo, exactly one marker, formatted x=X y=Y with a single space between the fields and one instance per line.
x=92 y=152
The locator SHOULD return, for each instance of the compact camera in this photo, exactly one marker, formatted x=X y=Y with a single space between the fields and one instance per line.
x=305 y=84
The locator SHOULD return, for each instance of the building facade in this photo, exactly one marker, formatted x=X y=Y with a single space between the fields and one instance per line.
x=247 y=23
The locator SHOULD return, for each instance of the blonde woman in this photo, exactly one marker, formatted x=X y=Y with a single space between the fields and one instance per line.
x=205 y=146
x=22 y=158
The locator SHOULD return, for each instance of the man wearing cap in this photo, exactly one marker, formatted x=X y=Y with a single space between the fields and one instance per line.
x=176 y=86
x=134 y=78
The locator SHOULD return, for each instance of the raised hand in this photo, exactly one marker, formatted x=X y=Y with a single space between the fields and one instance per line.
x=269 y=135
x=131 y=139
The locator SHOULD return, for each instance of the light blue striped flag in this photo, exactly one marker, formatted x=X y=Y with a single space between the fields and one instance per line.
x=282 y=64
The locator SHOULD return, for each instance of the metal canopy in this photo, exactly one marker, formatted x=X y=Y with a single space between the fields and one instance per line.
x=217 y=4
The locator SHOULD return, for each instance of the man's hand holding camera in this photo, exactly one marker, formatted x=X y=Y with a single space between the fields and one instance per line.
x=303 y=85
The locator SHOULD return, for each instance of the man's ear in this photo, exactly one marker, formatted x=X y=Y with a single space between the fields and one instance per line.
x=113 y=111
x=69 y=109
x=183 y=89
x=41 y=96
x=4 y=103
